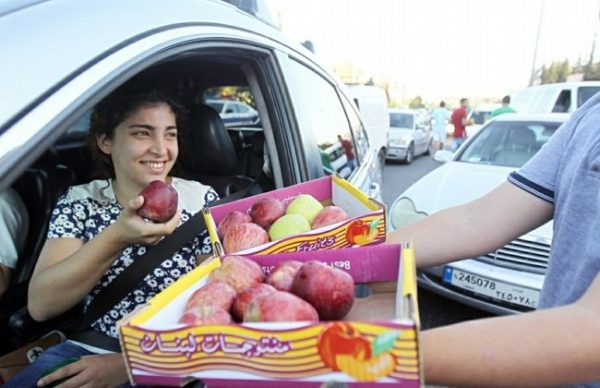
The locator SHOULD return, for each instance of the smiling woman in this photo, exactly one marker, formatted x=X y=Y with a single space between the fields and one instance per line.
x=96 y=231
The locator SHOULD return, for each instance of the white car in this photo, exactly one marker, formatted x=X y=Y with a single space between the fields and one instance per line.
x=234 y=113
x=480 y=115
x=409 y=135
x=508 y=280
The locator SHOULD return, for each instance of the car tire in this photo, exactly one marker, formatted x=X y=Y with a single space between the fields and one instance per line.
x=410 y=153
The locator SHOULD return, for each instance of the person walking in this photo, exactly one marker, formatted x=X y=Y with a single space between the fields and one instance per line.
x=440 y=118
x=459 y=121
x=505 y=108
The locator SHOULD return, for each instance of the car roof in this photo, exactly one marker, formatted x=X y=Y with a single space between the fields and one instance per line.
x=65 y=37
x=549 y=117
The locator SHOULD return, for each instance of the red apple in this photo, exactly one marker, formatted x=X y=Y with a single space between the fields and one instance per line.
x=329 y=215
x=217 y=294
x=282 y=276
x=279 y=306
x=230 y=220
x=245 y=297
x=239 y=272
x=266 y=210
x=160 y=201
x=205 y=315
x=244 y=236
x=329 y=290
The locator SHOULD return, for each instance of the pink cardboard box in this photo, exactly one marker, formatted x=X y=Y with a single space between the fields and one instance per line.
x=377 y=342
x=367 y=223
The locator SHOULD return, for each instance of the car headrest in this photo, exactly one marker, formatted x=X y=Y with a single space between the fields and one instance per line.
x=522 y=136
x=209 y=147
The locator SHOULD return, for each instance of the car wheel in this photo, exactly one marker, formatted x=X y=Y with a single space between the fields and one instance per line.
x=429 y=150
x=410 y=153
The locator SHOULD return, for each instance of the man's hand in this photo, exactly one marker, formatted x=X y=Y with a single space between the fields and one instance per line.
x=105 y=370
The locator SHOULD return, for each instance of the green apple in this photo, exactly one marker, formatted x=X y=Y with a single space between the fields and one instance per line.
x=305 y=205
x=288 y=225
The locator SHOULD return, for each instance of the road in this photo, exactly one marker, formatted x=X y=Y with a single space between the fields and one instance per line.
x=434 y=310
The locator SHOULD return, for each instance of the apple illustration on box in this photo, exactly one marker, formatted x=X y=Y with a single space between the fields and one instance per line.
x=361 y=233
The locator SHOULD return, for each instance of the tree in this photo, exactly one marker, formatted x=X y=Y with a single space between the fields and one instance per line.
x=416 y=103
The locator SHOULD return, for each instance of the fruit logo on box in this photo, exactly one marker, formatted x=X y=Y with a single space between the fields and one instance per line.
x=343 y=348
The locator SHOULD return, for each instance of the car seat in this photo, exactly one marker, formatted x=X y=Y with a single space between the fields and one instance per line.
x=39 y=187
x=519 y=148
x=209 y=155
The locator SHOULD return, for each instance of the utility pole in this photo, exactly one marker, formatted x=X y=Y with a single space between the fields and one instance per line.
x=537 y=42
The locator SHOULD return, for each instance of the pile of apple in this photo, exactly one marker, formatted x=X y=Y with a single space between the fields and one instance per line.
x=237 y=291
x=270 y=220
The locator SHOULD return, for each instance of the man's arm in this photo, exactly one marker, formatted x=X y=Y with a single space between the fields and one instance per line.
x=475 y=228
x=547 y=347
x=5 y=274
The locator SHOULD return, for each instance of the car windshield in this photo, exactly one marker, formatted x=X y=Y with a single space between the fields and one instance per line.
x=401 y=120
x=508 y=143
x=480 y=117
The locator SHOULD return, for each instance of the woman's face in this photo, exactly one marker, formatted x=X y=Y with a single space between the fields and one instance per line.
x=144 y=146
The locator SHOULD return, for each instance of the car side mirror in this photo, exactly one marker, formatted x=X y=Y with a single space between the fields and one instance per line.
x=443 y=156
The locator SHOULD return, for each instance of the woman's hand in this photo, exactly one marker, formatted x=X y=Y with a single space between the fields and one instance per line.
x=133 y=229
x=105 y=370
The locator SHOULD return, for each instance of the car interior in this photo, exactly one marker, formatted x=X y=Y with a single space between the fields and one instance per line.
x=230 y=159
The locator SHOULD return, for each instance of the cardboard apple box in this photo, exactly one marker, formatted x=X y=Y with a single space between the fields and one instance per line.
x=377 y=342
x=366 y=226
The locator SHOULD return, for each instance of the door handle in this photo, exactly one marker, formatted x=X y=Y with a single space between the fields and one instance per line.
x=374 y=190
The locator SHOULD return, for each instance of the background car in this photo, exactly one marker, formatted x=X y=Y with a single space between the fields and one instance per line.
x=505 y=281
x=479 y=115
x=554 y=98
x=409 y=135
x=189 y=49
x=234 y=113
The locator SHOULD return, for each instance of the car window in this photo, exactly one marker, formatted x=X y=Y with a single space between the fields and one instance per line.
x=585 y=93
x=480 y=117
x=401 y=120
x=324 y=115
x=241 y=108
x=360 y=134
x=218 y=106
x=507 y=143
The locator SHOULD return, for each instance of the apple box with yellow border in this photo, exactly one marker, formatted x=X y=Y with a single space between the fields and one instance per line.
x=376 y=343
x=366 y=224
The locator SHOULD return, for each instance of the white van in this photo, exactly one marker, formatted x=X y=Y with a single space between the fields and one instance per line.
x=372 y=104
x=562 y=97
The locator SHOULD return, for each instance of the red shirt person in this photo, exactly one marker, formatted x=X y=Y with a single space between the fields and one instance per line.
x=349 y=151
x=459 y=120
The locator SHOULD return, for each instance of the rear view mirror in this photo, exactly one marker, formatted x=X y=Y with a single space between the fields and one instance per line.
x=443 y=156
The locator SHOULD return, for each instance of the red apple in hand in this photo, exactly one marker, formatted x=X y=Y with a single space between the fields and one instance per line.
x=283 y=274
x=160 y=201
x=244 y=236
x=279 y=306
x=329 y=290
x=230 y=220
x=245 y=297
x=266 y=210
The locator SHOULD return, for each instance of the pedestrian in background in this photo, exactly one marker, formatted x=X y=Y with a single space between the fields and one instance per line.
x=459 y=121
x=348 y=150
x=505 y=108
x=440 y=118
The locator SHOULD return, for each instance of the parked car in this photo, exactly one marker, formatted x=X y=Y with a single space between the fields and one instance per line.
x=235 y=113
x=189 y=47
x=479 y=116
x=562 y=97
x=409 y=135
x=505 y=281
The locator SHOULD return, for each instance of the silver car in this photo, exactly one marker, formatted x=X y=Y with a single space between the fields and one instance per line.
x=508 y=280
x=409 y=135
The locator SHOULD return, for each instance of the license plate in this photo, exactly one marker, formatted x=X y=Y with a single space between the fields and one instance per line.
x=498 y=290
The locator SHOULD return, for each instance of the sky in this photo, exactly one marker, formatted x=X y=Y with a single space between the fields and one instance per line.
x=439 y=49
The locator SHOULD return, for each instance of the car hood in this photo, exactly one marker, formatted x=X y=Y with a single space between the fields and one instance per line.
x=456 y=183
x=400 y=133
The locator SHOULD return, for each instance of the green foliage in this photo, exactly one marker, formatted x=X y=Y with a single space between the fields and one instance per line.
x=416 y=103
